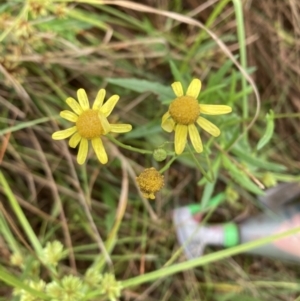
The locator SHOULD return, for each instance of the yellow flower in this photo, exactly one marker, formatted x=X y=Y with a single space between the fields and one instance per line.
x=184 y=111
x=150 y=181
x=90 y=124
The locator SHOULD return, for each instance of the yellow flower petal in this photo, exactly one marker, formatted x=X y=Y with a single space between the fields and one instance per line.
x=99 y=99
x=195 y=138
x=68 y=115
x=83 y=150
x=165 y=117
x=208 y=126
x=214 y=109
x=168 y=125
x=194 y=88
x=83 y=99
x=177 y=88
x=99 y=150
x=75 y=139
x=120 y=128
x=74 y=105
x=150 y=196
x=59 y=135
x=104 y=123
x=107 y=108
x=180 y=138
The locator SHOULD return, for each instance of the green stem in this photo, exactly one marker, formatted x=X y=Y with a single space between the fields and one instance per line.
x=25 y=124
x=286 y=115
x=210 y=167
x=167 y=166
x=85 y=185
x=183 y=266
x=199 y=166
x=8 y=236
x=129 y=147
x=15 y=282
x=238 y=6
x=21 y=216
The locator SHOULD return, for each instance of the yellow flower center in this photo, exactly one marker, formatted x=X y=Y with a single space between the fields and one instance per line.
x=150 y=181
x=184 y=110
x=89 y=125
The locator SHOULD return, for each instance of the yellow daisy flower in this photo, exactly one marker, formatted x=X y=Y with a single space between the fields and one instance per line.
x=184 y=111
x=149 y=182
x=90 y=124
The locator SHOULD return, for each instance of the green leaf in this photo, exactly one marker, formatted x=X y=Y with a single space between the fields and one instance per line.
x=208 y=191
x=141 y=86
x=238 y=95
x=109 y=199
x=4 y=7
x=234 y=297
x=258 y=162
x=146 y=130
x=269 y=131
x=15 y=282
x=209 y=186
x=211 y=90
x=60 y=25
x=218 y=76
x=177 y=75
x=26 y=124
x=240 y=177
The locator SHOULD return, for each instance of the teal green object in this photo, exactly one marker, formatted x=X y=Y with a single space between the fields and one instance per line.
x=231 y=235
x=195 y=208
x=214 y=202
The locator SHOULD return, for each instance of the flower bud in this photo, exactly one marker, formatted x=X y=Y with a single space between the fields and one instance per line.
x=159 y=154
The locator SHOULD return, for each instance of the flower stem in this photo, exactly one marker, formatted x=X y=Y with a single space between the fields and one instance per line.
x=238 y=7
x=167 y=166
x=199 y=166
x=129 y=147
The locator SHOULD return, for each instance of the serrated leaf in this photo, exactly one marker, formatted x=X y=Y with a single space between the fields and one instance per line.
x=269 y=131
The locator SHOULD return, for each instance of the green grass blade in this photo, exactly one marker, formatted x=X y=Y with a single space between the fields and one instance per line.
x=202 y=35
x=201 y=261
x=258 y=162
x=238 y=6
x=240 y=177
x=13 y=281
x=20 y=215
x=141 y=86
x=269 y=131
x=26 y=124
x=8 y=236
